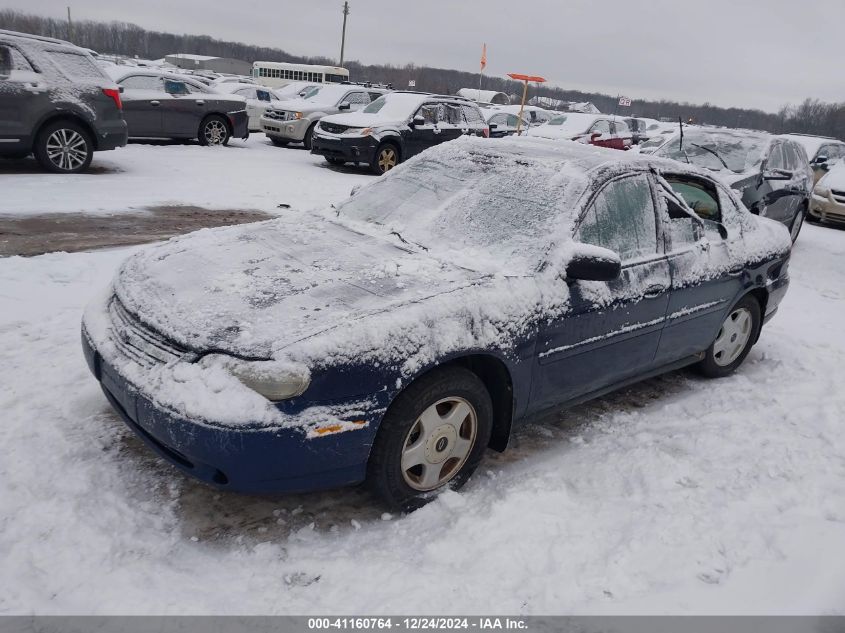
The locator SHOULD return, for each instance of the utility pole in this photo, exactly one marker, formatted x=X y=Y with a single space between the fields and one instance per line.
x=343 y=35
x=69 y=26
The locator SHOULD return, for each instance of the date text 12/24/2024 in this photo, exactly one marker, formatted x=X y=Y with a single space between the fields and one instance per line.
x=417 y=623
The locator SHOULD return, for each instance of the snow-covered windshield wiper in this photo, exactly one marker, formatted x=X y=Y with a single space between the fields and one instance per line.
x=712 y=151
x=404 y=241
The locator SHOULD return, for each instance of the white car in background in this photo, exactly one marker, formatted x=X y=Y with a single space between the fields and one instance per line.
x=258 y=99
x=533 y=114
x=592 y=129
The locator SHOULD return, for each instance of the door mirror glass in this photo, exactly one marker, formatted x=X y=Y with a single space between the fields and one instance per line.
x=175 y=88
x=418 y=120
x=820 y=159
x=593 y=263
x=344 y=106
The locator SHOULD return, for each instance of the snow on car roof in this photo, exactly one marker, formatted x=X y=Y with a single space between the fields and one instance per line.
x=811 y=144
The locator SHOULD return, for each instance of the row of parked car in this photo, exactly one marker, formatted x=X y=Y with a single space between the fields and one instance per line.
x=60 y=105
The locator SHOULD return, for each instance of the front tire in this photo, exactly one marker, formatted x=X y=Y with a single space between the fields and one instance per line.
x=797 y=223
x=213 y=131
x=64 y=147
x=737 y=335
x=432 y=437
x=386 y=158
x=309 y=134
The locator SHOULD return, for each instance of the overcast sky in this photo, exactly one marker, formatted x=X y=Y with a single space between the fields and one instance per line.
x=752 y=53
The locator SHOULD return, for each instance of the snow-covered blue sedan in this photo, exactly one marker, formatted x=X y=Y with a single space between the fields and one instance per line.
x=394 y=338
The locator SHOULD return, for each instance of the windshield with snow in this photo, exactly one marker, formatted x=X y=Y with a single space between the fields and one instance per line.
x=501 y=207
x=718 y=152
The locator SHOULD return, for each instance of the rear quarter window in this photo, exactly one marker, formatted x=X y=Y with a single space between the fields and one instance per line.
x=75 y=65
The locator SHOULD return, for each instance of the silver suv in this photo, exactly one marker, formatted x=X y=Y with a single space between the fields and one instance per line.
x=56 y=103
x=294 y=121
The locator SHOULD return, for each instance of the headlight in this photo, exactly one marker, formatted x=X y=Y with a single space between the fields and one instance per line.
x=366 y=131
x=272 y=380
x=297 y=115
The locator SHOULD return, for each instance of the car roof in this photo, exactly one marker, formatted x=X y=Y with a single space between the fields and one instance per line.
x=38 y=38
x=574 y=158
x=812 y=144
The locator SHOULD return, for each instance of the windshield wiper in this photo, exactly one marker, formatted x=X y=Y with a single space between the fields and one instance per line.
x=712 y=151
x=404 y=241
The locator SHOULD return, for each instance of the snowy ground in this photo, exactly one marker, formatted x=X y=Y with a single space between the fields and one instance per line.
x=679 y=495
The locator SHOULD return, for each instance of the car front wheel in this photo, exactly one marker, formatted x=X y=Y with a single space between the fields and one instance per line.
x=64 y=147
x=733 y=342
x=214 y=131
x=432 y=438
x=387 y=157
x=797 y=223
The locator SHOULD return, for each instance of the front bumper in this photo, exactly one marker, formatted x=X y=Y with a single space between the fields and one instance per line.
x=240 y=124
x=293 y=130
x=356 y=149
x=251 y=460
x=827 y=208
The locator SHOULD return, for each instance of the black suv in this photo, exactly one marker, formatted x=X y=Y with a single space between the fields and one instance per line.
x=395 y=127
x=56 y=103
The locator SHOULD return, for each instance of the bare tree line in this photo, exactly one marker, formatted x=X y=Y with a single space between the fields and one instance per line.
x=121 y=38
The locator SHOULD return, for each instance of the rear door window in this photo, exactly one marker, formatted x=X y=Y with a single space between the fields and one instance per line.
x=142 y=82
x=472 y=114
x=11 y=59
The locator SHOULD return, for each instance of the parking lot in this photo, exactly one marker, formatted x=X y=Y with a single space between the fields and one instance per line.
x=678 y=495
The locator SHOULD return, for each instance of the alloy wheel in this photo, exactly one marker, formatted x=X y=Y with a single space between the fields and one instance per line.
x=387 y=159
x=67 y=149
x=439 y=443
x=733 y=337
x=215 y=132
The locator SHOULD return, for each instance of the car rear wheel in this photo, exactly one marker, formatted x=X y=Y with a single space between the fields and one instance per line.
x=213 y=131
x=387 y=157
x=432 y=438
x=797 y=223
x=64 y=147
x=733 y=342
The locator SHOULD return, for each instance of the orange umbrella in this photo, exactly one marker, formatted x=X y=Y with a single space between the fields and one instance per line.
x=526 y=79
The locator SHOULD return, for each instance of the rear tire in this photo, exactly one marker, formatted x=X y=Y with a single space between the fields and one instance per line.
x=432 y=438
x=214 y=131
x=64 y=147
x=386 y=158
x=737 y=335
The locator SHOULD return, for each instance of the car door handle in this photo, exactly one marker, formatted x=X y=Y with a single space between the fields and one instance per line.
x=200 y=102
x=736 y=272
x=654 y=291
x=155 y=103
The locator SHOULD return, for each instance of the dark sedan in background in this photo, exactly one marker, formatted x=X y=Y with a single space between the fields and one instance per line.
x=405 y=331
x=158 y=105
x=771 y=173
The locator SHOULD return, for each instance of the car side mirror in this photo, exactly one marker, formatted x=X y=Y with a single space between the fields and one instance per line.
x=820 y=160
x=418 y=120
x=595 y=135
x=593 y=263
x=344 y=106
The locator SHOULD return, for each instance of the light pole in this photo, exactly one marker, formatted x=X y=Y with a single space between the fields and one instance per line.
x=343 y=34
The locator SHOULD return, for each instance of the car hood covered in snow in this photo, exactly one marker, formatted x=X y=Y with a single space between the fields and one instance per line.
x=250 y=290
